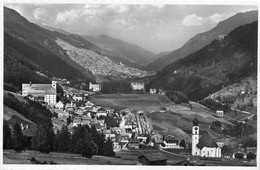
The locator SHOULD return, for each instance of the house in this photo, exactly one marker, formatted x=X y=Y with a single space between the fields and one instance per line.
x=153 y=91
x=78 y=97
x=95 y=87
x=137 y=86
x=161 y=92
x=60 y=105
x=171 y=143
x=142 y=137
x=220 y=113
x=205 y=146
x=157 y=138
x=41 y=92
x=133 y=143
x=153 y=159
x=101 y=112
x=86 y=120
x=88 y=104
x=163 y=109
x=70 y=105
x=80 y=111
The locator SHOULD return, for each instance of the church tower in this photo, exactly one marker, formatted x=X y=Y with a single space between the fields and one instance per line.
x=195 y=151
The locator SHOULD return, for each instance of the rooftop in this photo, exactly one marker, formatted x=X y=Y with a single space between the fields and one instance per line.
x=206 y=141
x=155 y=156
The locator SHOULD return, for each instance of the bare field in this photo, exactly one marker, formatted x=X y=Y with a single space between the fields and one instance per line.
x=144 y=102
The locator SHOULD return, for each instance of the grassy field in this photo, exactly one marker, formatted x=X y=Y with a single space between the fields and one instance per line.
x=10 y=157
x=145 y=102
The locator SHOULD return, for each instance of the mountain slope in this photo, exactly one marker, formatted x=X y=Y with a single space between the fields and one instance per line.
x=201 y=40
x=219 y=63
x=130 y=52
x=37 y=46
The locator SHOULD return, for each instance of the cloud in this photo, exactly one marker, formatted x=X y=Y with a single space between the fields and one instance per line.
x=40 y=14
x=67 y=17
x=216 y=18
x=194 y=20
x=125 y=24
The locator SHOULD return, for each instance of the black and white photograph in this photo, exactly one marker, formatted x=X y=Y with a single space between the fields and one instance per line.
x=129 y=84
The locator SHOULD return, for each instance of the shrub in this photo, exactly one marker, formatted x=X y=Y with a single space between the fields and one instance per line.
x=239 y=155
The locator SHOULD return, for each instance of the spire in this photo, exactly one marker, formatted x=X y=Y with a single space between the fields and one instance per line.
x=195 y=121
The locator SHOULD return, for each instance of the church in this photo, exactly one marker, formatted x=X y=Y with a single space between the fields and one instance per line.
x=203 y=146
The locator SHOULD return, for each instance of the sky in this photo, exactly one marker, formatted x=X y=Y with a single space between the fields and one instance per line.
x=155 y=27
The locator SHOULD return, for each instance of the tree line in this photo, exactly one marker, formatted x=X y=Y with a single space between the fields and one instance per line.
x=84 y=140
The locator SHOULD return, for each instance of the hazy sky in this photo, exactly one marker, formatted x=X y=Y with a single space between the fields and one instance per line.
x=157 y=28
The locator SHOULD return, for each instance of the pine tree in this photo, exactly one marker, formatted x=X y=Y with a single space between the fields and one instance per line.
x=63 y=139
x=44 y=139
x=18 y=139
x=108 y=151
x=7 y=136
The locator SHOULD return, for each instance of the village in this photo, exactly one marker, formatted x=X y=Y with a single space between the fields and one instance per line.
x=128 y=129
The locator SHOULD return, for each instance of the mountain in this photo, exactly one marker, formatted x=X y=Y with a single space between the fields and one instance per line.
x=201 y=40
x=54 y=29
x=133 y=53
x=29 y=49
x=222 y=62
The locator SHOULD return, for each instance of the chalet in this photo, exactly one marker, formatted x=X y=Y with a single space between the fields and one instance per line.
x=101 y=112
x=86 y=120
x=163 y=109
x=171 y=143
x=70 y=105
x=137 y=86
x=77 y=121
x=79 y=111
x=220 y=113
x=142 y=137
x=157 y=138
x=78 y=97
x=153 y=91
x=110 y=135
x=61 y=113
x=133 y=143
x=88 y=104
x=153 y=159
x=41 y=92
x=95 y=87
x=161 y=92
x=60 y=105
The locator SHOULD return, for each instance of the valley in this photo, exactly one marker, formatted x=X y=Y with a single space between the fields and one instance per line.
x=99 y=65
x=79 y=96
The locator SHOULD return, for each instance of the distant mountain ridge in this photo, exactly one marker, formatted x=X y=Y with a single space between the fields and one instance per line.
x=202 y=39
x=38 y=45
x=220 y=63
x=130 y=52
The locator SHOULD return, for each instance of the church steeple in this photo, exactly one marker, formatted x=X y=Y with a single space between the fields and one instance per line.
x=195 y=121
x=195 y=136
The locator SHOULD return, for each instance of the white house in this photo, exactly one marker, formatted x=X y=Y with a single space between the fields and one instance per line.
x=78 y=97
x=137 y=86
x=94 y=87
x=101 y=112
x=204 y=146
x=153 y=91
x=220 y=113
x=171 y=143
x=41 y=92
x=60 y=105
